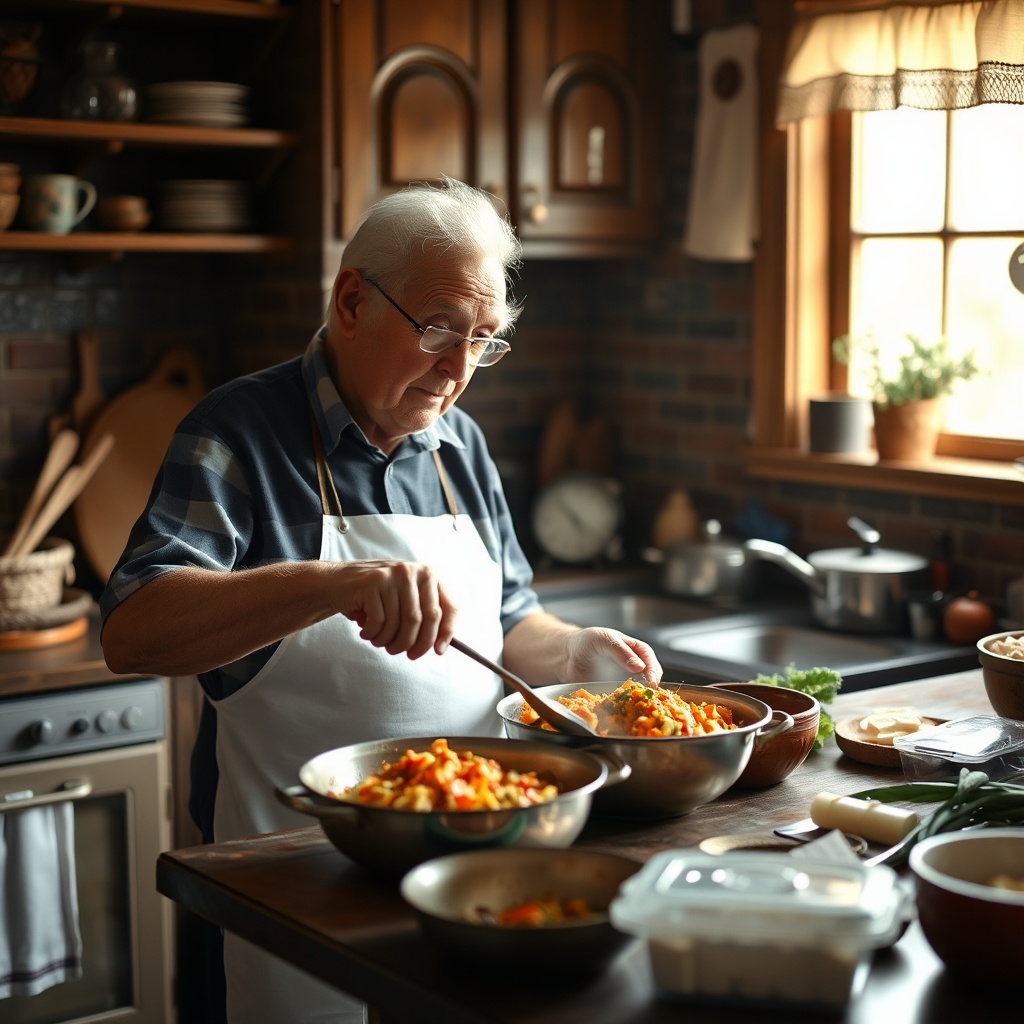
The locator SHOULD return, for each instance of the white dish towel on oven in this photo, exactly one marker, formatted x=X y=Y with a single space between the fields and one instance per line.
x=40 y=939
x=722 y=220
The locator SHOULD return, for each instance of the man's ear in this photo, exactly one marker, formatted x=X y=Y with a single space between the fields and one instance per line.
x=347 y=299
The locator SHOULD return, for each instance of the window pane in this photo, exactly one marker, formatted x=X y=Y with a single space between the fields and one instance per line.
x=902 y=158
x=896 y=289
x=986 y=192
x=986 y=312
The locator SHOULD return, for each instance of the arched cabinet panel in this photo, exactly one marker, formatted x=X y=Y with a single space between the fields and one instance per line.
x=552 y=105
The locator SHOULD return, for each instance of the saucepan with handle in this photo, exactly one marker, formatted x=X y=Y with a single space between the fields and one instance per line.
x=860 y=589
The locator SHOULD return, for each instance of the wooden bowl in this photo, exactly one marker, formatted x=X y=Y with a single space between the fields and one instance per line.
x=9 y=202
x=775 y=757
x=1003 y=676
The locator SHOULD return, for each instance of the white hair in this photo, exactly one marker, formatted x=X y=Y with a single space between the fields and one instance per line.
x=451 y=217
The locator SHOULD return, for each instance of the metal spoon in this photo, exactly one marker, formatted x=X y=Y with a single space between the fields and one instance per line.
x=557 y=716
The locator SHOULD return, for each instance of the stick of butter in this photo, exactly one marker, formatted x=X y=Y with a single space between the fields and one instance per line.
x=884 y=725
x=870 y=819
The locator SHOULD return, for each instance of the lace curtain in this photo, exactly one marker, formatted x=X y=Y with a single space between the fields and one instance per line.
x=941 y=57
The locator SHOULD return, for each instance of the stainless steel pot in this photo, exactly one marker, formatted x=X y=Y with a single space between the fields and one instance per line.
x=858 y=590
x=671 y=775
x=390 y=842
x=711 y=566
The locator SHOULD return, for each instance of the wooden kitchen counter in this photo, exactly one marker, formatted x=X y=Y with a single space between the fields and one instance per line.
x=294 y=894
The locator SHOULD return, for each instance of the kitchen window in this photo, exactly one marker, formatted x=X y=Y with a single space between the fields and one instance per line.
x=847 y=222
x=935 y=213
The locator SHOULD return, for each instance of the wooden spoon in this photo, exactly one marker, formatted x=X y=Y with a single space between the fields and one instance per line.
x=67 y=488
x=58 y=458
x=550 y=711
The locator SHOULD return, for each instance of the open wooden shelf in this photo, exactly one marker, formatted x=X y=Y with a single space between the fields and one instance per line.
x=119 y=134
x=143 y=241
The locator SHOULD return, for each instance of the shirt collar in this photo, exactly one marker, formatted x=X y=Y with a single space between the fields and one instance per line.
x=332 y=415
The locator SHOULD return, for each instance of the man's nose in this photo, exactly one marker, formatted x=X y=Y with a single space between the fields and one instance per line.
x=455 y=362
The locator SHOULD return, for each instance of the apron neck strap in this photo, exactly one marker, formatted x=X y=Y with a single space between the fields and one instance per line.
x=325 y=480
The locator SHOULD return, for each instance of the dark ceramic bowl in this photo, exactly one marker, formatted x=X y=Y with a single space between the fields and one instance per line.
x=775 y=757
x=976 y=928
x=1003 y=676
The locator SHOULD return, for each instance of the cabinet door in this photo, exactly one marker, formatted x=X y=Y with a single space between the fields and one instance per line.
x=587 y=92
x=420 y=92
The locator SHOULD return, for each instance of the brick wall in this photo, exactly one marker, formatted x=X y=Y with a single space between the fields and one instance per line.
x=660 y=347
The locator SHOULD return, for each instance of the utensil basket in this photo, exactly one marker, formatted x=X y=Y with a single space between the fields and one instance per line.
x=36 y=581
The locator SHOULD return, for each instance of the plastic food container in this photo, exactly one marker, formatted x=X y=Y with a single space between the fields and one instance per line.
x=758 y=928
x=984 y=743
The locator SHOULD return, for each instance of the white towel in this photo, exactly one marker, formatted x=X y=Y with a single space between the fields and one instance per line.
x=723 y=214
x=40 y=939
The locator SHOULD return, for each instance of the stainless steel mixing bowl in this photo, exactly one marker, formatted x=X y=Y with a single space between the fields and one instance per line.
x=455 y=896
x=389 y=841
x=671 y=775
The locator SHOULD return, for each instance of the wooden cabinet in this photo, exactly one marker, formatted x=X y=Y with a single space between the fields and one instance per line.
x=586 y=121
x=551 y=105
x=168 y=40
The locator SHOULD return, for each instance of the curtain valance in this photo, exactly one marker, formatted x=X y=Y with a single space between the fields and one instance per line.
x=936 y=57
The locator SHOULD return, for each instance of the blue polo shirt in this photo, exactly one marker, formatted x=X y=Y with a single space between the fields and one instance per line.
x=238 y=489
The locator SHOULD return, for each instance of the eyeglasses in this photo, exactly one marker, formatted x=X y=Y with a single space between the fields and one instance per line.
x=482 y=351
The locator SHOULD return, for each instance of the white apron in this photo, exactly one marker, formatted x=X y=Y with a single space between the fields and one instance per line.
x=325 y=687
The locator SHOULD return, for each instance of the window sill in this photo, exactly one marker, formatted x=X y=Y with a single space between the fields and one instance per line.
x=942 y=477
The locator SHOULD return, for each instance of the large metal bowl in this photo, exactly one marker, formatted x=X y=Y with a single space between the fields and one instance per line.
x=450 y=893
x=671 y=775
x=390 y=841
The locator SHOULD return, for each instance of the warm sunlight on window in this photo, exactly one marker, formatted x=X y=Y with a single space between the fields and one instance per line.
x=930 y=254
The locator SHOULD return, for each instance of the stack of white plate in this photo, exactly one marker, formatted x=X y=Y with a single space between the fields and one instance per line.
x=207 y=104
x=205 y=205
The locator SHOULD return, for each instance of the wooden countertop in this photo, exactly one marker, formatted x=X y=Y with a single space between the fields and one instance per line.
x=293 y=893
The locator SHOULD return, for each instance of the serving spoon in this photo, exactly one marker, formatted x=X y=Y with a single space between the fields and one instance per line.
x=557 y=716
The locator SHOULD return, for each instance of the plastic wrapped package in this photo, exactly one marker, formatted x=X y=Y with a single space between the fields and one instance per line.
x=984 y=743
x=757 y=928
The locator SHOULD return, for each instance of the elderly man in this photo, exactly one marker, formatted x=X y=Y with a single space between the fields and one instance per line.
x=319 y=532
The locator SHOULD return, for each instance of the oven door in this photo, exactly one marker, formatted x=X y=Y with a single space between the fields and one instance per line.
x=121 y=808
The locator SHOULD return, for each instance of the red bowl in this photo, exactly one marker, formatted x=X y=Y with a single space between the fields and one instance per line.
x=976 y=929
x=775 y=757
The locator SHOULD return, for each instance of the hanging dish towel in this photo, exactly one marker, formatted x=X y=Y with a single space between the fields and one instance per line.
x=40 y=940
x=722 y=216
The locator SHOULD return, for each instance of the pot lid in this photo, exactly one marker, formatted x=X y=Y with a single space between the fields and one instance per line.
x=878 y=560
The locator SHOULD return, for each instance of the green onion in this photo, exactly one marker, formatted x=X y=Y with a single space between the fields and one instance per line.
x=973 y=800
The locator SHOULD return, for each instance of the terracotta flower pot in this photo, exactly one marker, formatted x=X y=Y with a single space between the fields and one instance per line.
x=907 y=433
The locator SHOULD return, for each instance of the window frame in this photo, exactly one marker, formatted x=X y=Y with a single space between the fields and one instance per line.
x=801 y=277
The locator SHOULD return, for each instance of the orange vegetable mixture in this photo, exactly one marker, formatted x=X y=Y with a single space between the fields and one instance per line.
x=538 y=913
x=441 y=779
x=638 y=710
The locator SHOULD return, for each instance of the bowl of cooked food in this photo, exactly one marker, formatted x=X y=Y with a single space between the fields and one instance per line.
x=507 y=909
x=1002 y=668
x=391 y=804
x=685 y=745
x=969 y=889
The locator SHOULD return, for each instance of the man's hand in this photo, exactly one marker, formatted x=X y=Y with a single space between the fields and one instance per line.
x=400 y=606
x=587 y=646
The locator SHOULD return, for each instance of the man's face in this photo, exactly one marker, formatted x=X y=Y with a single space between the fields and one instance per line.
x=391 y=386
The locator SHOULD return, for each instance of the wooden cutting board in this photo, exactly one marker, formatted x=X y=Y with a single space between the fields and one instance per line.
x=142 y=420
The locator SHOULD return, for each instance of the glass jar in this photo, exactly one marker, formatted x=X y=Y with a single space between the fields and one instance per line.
x=100 y=92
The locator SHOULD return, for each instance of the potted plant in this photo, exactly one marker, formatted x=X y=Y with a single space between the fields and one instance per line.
x=906 y=399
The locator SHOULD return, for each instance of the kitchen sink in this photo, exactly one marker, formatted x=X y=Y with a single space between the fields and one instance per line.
x=704 y=642
x=628 y=613
x=781 y=645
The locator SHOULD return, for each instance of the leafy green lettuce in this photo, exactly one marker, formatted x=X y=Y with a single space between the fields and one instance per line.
x=823 y=683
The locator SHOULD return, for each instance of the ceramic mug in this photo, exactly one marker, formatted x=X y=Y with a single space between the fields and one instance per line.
x=55 y=203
